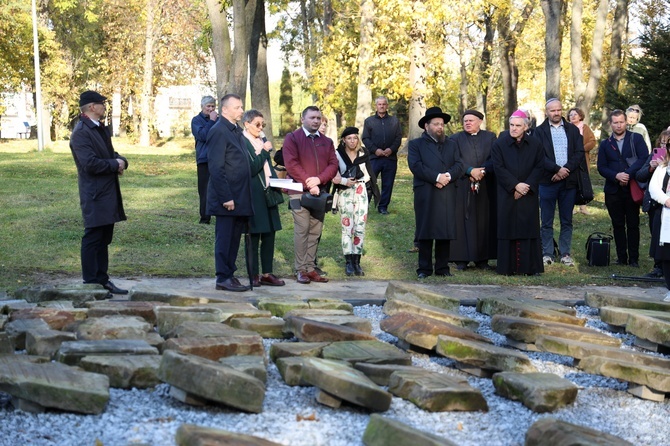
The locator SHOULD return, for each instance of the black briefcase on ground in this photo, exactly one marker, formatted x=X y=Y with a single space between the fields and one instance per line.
x=598 y=249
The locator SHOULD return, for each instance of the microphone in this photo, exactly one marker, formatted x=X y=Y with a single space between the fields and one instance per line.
x=263 y=138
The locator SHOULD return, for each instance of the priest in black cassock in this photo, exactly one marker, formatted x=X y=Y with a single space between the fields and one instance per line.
x=476 y=239
x=518 y=160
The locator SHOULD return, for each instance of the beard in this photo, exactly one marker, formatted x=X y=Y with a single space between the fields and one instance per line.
x=439 y=138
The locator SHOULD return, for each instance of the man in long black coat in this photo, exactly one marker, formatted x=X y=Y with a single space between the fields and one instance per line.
x=433 y=160
x=229 y=190
x=98 y=169
x=475 y=216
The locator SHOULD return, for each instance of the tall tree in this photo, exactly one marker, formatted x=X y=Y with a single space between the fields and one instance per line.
x=221 y=49
x=554 y=14
x=152 y=15
x=417 y=67
x=258 y=68
x=364 y=96
x=287 y=120
x=619 y=26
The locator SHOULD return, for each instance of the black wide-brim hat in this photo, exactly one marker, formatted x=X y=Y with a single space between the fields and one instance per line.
x=434 y=112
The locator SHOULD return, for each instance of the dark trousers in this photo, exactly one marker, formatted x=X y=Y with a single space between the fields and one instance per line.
x=625 y=216
x=388 y=168
x=94 y=253
x=227 y=235
x=203 y=180
x=426 y=257
x=266 y=241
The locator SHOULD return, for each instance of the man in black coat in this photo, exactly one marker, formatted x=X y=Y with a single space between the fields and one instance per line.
x=563 y=153
x=434 y=162
x=229 y=190
x=98 y=169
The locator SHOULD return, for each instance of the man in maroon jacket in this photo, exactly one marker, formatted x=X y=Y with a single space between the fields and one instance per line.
x=310 y=159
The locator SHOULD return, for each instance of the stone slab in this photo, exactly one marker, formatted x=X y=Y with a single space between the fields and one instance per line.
x=176 y=298
x=7 y=306
x=290 y=369
x=250 y=364
x=55 y=318
x=187 y=398
x=341 y=380
x=551 y=431
x=289 y=349
x=16 y=330
x=326 y=303
x=279 y=306
x=649 y=328
x=145 y=310
x=385 y=431
x=524 y=308
x=6 y=344
x=192 y=435
x=371 y=352
x=170 y=317
x=268 y=328
x=78 y=294
x=125 y=371
x=423 y=331
x=655 y=378
x=308 y=330
x=215 y=348
x=113 y=327
x=540 y=392
x=195 y=329
x=351 y=321
x=645 y=393
x=420 y=309
x=436 y=392
x=599 y=299
x=417 y=293
x=483 y=355
x=71 y=352
x=380 y=374
x=325 y=398
x=309 y=312
x=46 y=342
x=232 y=310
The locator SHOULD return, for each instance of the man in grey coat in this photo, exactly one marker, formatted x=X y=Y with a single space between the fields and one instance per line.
x=98 y=168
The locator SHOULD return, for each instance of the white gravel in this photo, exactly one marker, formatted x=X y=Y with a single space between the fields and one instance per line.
x=292 y=417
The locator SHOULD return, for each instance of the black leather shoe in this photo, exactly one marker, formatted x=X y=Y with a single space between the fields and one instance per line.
x=422 y=276
x=634 y=264
x=383 y=211
x=230 y=285
x=655 y=273
x=444 y=274
x=109 y=286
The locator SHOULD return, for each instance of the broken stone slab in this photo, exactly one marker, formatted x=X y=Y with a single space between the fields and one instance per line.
x=55 y=386
x=510 y=307
x=78 y=294
x=325 y=398
x=280 y=306
x=55 y=318
x=16 y=330
x=309 y=312
x=649 y=328
x=552 y=431
x=436 y=392
x=290 y=369
x=177 y=298
x=192 y=435
x=355 y=322
x=308 y=330
x=423 y=331
x=7 y=306
x=125 y=371
x=57 y=304
x=540 y=392
x=380 y=374
x=145 y=310
x=195 y=329
x=416 y=293
x=319 y=303
x=645 y=393
x=232 y=310
x=385 y=431
x=46 y=342
x=618 y=317
x=372 y=352
x=6 y=344
x=599 y=299
x=483 y=355
x=250 y=364
x=339 y=379
x=187 y=398
x=395 y=306
x=289 y=349
x=579 y=350
x=113 y=327
x=528 y=330
x=215 y=348
x=169 y=318
x=269 y=328
x=71 y=352
x=655 y=378
x=212 y=381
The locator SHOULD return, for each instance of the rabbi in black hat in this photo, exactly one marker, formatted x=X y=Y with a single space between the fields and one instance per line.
x=434 y=162
x=98 y=169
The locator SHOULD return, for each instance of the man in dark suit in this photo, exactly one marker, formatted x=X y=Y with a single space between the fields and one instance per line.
x=229 y=190
x=563 y=154
x=617 y=164
x=435 y=164
x=98 y=169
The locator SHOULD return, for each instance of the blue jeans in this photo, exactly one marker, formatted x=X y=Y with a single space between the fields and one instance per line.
x=549 y=195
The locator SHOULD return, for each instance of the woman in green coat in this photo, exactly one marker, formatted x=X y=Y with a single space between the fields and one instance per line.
x=265 y=221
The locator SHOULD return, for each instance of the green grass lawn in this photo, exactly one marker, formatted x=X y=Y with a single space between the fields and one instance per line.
x=40 y=225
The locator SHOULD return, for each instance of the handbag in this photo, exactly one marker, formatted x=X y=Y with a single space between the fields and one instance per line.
x=317 y=205
x=598 y=249
x=636 y=189
x=272 y=196
x=584 y=187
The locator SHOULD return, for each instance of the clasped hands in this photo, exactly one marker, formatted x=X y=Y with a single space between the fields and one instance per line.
x=312 y=184
x=521 y=190
x=622 y=178
x=562 y=174
x=122 y=165
x=442 y=180
x=383 y=152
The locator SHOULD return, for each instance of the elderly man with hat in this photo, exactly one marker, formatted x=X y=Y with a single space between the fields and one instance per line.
x=435 y=164
x=475 y=207
x=98 y=169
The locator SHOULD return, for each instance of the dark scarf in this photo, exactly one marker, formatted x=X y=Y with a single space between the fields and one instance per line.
x=353 y=169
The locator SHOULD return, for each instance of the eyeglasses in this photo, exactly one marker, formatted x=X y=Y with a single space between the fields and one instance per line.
x=260 y=125
x=631 y=109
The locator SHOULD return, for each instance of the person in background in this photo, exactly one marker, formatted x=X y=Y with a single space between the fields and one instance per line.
x=200 y=125
x=651 y=207
x=633 y=124
x=382 y=136
x=352 y=203
x=265 y=222
x=576 y=117
x=518 y=161
x=322 y=130
x=98 y=170
x=658 y=189
x=434 y=162
x=614 y=155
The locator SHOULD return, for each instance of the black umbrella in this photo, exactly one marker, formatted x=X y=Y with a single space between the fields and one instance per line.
x=248 y=259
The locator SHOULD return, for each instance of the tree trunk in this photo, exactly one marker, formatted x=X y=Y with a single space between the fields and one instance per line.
x=619 y=25
x=576 y=48
x=243 y=15
x=485 y=63
x=258 y=68
x=463 y=85
x=364 y=98
x=417 y=69
x=147 y=81
x=220 y=45
x=552 y=10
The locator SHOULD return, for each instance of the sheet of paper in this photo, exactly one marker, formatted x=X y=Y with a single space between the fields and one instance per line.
x=285 y=183
x=665 y=225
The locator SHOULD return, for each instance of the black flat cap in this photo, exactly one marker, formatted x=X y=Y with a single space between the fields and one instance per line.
x=89 y=97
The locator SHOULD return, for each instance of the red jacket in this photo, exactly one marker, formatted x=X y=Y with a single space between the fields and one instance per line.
x=304 y=157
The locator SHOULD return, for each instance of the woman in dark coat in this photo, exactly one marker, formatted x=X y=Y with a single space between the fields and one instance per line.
x=434 y=162
x=265 y=221
x=518 y=163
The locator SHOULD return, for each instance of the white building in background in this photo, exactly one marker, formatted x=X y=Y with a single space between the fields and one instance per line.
x=18 y=116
